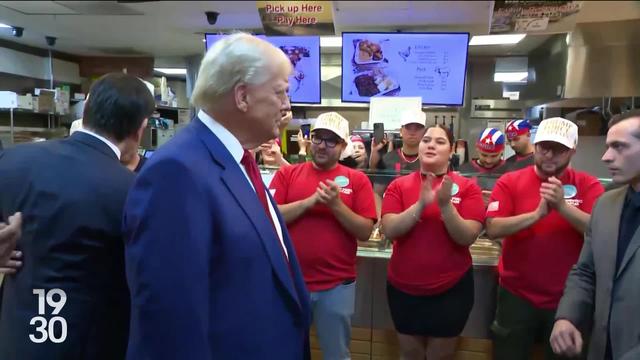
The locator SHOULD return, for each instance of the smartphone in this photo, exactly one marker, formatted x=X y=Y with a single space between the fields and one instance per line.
x=378 y=132
x=306 y=130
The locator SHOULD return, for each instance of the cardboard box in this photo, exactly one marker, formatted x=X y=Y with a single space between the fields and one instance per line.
x=46 y=102
x=8 y=100
x=25 y=102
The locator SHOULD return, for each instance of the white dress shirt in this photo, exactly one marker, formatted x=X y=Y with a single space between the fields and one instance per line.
x=104 y=140
x=235 y=148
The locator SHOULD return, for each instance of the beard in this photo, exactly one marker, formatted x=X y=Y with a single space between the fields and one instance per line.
x=559 y=169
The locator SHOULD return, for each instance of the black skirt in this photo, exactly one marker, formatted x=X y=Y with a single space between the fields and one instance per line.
x=442 y=315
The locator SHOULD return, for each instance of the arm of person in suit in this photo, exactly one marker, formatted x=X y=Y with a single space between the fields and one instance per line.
x=576 y=306
x=9 y=235
x=168 y=250
x=632 y=354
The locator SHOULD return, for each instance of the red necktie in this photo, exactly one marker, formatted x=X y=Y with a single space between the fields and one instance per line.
x=250 y=165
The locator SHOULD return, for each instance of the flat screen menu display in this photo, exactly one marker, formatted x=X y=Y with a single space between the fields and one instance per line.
x=304 y=54
x=429 y=65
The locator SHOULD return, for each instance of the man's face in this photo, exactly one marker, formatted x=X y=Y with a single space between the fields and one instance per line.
x=489 y=160
x=267 y=104
x=412 y=134
x=622 y=156
x=519 y=143
x=552 y=158
x=326 y=148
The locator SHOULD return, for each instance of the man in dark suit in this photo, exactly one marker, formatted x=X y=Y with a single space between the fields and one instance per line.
x=210 y=265
x=70 y=300
x=602 y=296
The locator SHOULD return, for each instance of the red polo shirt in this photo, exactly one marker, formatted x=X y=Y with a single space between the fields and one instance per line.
x=535 y=262
x=325 y=249
x=426 y=260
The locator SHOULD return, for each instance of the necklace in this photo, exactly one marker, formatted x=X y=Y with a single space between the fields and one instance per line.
x=404 y=158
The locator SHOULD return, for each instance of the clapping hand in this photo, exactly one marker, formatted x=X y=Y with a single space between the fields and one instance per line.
x=553 y=193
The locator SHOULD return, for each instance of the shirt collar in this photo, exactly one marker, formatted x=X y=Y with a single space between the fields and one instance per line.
x=104 y=140
x=228 y=140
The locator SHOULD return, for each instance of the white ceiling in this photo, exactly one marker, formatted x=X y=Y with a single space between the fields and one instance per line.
x=174 y=28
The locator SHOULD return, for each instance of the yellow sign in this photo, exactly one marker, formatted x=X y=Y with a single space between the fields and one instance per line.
x=296 y=17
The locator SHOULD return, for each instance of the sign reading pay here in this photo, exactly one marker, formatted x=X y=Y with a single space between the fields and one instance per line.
x=296 y=17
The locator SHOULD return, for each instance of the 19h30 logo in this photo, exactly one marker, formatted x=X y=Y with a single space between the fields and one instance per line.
x=46 y=329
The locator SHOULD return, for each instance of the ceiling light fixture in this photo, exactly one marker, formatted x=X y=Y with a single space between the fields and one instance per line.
x=496 y=39
x=171 y=71
x=331 y=41
x=511 y=77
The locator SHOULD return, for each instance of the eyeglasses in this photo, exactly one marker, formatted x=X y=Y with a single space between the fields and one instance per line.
x=328 y=142
x=554 y=148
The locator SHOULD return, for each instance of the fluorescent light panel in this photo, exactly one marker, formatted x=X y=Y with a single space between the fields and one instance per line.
x=5 y=25
x=511 y=77
x=331 y=41
x=172 y=71
x=496 y=39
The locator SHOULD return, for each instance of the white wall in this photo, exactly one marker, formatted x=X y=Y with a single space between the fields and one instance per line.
x=23 y=64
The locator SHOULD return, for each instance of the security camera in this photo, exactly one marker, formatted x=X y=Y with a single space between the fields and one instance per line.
x=212 y=17
x=51 y=41
x=17 y=31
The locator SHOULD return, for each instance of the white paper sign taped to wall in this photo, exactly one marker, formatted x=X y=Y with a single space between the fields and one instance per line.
x=388 y=110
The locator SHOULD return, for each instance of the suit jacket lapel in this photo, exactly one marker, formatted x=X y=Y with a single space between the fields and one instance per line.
x=634 y=244
x=608 y=248
x=238 y=185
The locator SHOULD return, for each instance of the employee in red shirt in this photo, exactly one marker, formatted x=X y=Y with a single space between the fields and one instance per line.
x=327 y=208
x=433 y=215
x=519 y=137
x=542 y=212
x=490 y=146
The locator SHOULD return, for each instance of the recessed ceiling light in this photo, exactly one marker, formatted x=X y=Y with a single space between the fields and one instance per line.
x=171 y=71
x=496 y=39
x=5 y=25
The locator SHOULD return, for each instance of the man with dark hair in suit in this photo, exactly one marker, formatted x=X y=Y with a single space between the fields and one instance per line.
x=71 y=194
x=602 y=293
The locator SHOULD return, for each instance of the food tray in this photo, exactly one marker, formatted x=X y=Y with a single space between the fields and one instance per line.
x=367 y=62
x=370 y=73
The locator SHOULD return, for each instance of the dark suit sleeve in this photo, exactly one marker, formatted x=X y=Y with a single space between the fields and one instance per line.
x=578 y=299
x=168 y=229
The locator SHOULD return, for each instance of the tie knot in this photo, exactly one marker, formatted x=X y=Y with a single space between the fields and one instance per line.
x=247 y=158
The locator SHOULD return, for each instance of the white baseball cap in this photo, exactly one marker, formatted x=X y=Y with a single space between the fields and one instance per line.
x=333 y=122
x=413 y=117
x=558 y=130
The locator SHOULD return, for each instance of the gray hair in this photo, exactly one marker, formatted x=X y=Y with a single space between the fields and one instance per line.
x=238 y=58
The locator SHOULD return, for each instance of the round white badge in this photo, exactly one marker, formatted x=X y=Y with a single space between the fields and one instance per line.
x=570 y=191
x=342 y=181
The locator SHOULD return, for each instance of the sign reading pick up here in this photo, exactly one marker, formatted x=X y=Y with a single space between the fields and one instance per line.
x=296 y=17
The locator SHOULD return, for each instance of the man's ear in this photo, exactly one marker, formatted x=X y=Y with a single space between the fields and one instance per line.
x=240 y=93
x=140 y=131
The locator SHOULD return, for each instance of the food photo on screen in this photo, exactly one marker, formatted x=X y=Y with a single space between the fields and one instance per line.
x=427 y=65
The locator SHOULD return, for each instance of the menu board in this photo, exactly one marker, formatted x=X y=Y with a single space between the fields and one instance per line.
x=429 y=65
x=304 y=54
